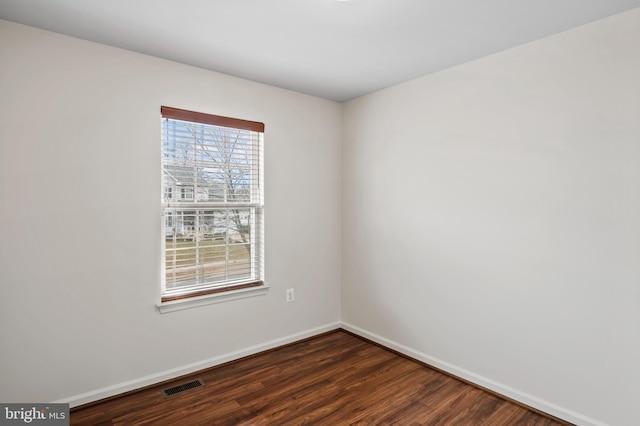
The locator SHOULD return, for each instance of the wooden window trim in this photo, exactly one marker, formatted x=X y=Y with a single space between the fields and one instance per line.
x=212 y=291
x=215 y=120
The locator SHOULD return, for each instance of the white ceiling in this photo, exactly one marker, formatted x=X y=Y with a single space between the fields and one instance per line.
x=333 y=49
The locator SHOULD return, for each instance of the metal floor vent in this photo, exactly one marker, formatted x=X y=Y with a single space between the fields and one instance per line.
x=183 y=387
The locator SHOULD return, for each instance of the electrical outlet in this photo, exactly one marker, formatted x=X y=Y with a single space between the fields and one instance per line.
x=290 y=295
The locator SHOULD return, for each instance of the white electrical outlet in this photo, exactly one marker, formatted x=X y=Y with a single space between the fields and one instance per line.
x=290 y=295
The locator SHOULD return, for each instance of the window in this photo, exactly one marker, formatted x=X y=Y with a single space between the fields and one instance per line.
x=212 y=203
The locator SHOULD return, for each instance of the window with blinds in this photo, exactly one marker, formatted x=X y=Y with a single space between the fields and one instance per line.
x=212 y=203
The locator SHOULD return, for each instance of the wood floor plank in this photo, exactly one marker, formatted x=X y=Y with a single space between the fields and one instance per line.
x=333 y=379
x=353 y=401
x=402 y=404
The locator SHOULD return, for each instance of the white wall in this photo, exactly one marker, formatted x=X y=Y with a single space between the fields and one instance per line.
x=80 y=218
x=491 y=220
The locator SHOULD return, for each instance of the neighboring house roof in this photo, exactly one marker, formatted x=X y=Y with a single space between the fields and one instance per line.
x=184 y=176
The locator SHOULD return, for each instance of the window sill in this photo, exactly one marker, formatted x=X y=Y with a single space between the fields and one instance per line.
x=227 y=296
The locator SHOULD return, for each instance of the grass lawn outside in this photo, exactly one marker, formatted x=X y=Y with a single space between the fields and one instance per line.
x=190 y=261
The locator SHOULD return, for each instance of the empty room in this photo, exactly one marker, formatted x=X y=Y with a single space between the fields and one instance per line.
x=323 y=212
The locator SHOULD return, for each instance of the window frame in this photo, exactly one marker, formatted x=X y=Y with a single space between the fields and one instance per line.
x=227 y=289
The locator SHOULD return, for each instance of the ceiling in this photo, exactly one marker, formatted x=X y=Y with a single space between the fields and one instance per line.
x=334 y=49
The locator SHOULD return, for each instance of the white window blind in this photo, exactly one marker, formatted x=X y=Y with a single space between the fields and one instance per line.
x=212 y=203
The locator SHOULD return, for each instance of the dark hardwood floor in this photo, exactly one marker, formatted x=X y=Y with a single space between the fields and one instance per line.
x=333 y=379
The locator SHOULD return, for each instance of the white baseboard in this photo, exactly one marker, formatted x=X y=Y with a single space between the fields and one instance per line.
x=130 y=385
x=487 y=383
x=522 y=397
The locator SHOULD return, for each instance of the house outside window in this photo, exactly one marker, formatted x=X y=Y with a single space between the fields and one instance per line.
x=212 y=186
